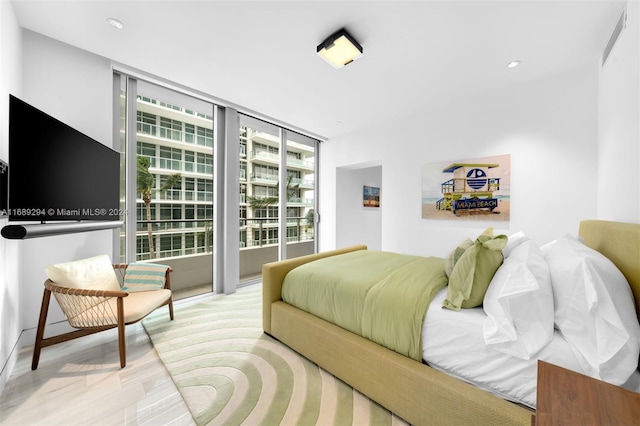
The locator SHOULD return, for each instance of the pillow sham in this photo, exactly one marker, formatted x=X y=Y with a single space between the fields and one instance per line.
x=594 y=309
x=519 y=303
x=473 y=272
x=140 y=276
x=514 y=240
x=455 y=255
x=93 y=273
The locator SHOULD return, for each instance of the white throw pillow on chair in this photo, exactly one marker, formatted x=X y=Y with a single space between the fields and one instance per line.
x=94 y=273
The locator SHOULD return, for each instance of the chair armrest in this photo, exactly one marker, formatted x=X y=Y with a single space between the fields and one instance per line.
x=54 y=288
x=89 y=308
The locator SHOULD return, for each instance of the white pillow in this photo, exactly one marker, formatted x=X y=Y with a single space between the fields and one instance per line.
x=94 y=273
x=514 y=240
x=594 y=309
x=519 y=303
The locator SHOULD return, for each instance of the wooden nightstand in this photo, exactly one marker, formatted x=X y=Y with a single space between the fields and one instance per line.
x=565 y=397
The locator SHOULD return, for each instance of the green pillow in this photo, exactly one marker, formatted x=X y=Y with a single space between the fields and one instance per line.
x=473 y=272
x=455 y=255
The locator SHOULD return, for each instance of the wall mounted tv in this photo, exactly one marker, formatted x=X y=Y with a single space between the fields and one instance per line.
x=56 y=172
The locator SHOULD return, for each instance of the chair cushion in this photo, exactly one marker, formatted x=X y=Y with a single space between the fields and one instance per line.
x=137 y=305
x=141 y=276
x=94 y=273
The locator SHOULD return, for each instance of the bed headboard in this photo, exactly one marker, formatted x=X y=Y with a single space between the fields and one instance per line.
x=620 y=242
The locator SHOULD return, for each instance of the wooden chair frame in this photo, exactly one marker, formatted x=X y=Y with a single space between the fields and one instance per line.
x=51 y=287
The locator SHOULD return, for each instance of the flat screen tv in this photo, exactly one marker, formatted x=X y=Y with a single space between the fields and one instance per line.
x=56 y=172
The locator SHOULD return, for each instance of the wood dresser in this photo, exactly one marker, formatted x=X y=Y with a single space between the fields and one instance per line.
x=565 y=397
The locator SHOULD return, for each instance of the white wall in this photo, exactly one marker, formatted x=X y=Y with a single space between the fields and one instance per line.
x=548 y=126
x=619 y=126
x=76 y=88
x=356 y=224
x=10 y=82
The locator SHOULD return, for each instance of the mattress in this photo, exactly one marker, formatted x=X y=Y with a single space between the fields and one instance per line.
x=453 y=342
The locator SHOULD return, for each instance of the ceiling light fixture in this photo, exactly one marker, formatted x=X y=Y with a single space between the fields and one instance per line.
x=340 y=49
x=513 y=64
x=115 y=23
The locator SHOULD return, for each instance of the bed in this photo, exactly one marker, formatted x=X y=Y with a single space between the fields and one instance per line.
x=419 y=392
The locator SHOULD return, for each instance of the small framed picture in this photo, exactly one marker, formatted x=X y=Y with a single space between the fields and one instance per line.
x=370 y=196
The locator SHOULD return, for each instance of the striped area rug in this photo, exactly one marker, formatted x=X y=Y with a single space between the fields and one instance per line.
x=230 y=373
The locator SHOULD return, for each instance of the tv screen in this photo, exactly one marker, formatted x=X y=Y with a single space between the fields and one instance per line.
x=56 y=172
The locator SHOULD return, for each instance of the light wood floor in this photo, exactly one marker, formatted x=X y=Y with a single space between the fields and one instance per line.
x=80 y=382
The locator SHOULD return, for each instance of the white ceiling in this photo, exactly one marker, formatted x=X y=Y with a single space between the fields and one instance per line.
x=262 y=54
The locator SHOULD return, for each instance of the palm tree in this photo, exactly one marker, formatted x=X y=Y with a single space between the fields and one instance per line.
x=310 y=218
x=263 y=202
x=145 y=185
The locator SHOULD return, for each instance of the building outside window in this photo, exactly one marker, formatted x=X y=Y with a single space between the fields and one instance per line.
x=176 y=140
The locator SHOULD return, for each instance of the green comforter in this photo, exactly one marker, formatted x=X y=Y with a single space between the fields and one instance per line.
x=378 y=295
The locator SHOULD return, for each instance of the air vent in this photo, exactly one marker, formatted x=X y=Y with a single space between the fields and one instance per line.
x=620 y=26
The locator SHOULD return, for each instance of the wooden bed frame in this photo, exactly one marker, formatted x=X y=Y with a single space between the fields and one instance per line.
x=410 y=389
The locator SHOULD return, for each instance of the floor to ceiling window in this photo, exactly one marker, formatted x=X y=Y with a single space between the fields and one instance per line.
x=275 y=164
x=301 y=195
x=259 y=182
x=170 y=166
x=176 y=179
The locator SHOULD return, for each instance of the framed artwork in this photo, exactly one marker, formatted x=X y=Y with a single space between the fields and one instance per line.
x=471 y=189
x=370 y=196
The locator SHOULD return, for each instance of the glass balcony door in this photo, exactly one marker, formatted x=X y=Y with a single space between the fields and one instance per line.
x=301 y=195
x=276 y=181
x=169 y=183
x=259 y=183
x=199 y=178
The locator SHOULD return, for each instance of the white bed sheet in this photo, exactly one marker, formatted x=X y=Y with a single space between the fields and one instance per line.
x=453 y=342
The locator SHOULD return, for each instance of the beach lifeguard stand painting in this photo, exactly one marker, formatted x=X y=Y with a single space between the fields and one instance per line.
x=470 y=189
x=475 y=189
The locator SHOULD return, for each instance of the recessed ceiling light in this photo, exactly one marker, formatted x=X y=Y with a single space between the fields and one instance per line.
x=115 y=23
x=513 y=64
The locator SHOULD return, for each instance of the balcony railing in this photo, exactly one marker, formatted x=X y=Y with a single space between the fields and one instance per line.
x=190 y=225
x=270 y=157
x=193 y=266
x=274 y=158
x=264 y=178
x=201 y=240
x=261 y=227
x=304 y=230
x=183 y=195
x=302 y=183
x=174 y=135
x=178 y=166
x=303 y=164
x=300 y=201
